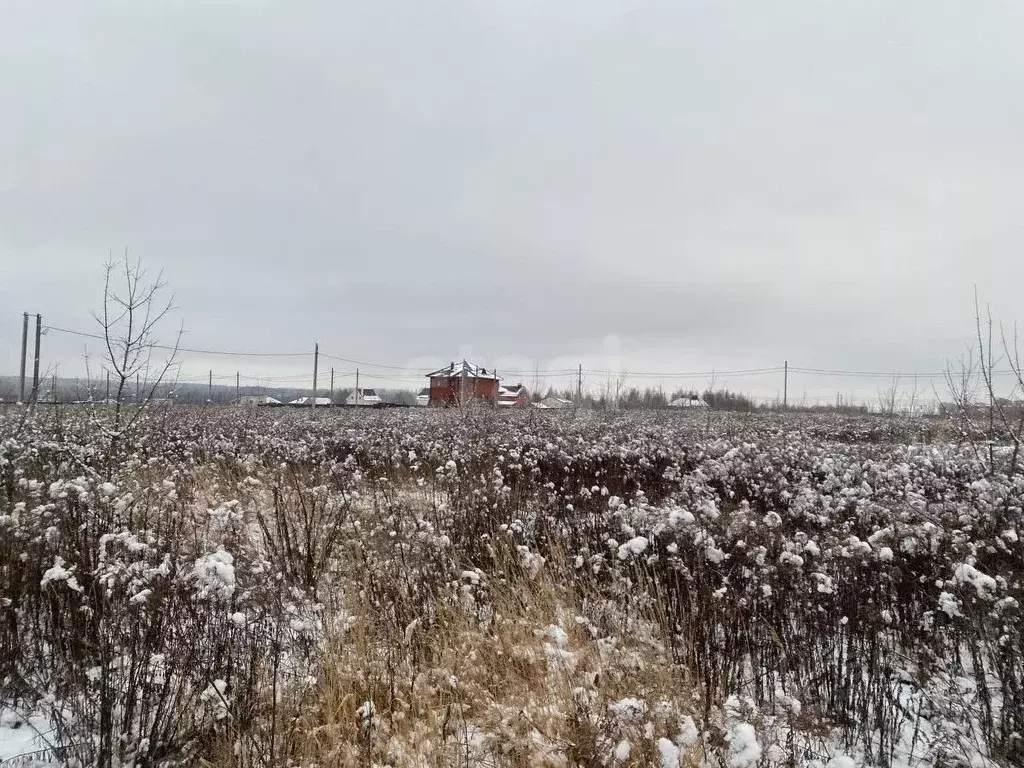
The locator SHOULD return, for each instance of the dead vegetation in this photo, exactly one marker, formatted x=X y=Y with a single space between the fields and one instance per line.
x=414 y=589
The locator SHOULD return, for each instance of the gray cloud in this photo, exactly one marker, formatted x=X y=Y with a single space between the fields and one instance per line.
x=713 y=185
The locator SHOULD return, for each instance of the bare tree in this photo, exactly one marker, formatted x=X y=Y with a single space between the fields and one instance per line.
x=607 y=392
x=888 y=397
x=133 y=308
x=620 y=383
x=1012 y=412
x=1002 y=416
x=915 y=393
x=711 y=389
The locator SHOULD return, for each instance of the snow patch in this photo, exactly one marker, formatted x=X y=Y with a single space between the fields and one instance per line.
x=743 y=747
x=622 y=751
x=634 y=546
x=948 y=604
x=668 y=754
x=983 y=584
x=215 y=575
x=59 y=573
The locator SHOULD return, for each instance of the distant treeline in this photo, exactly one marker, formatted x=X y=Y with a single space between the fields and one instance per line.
x=634 y=398
x=631 y=398
x=79 y=391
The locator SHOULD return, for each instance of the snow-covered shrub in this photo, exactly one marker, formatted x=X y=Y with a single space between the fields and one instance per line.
x=775 y=558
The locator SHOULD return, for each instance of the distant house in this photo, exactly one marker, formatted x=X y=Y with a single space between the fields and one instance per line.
x=256 y=400
x=552 y=403
x=462 y=383
x=363 y=397
x=309 y=402
x=690 y=401
x=423 y=398
x=513 y=397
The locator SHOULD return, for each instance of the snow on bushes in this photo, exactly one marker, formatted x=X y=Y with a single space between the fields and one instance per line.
x=215 y=576
x=779 y=557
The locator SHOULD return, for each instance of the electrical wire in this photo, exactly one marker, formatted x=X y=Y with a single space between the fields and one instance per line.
x=681 y=375
x=222 y=353
x=524 y=374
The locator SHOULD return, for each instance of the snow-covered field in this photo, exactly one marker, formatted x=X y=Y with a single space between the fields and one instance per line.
x=483 y=589
x=22 y=735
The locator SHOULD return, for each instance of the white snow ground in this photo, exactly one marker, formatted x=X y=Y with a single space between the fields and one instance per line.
x=21 y=736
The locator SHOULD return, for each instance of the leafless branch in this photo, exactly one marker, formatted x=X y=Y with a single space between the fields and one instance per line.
x=133 y=308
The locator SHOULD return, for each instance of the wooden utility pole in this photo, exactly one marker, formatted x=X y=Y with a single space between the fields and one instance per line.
x=785 y=384
x=209 y=391
x=579 y=383
x=24 y=356
x=238 y=390
x=108 y=389
x=137 y=388
x=332 y=385
x=35 y=369
x=359 y=396
x=53 y=388
x=316 y=365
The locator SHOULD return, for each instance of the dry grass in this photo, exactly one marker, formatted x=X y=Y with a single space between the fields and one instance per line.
x=509 y=674
x=297 y=593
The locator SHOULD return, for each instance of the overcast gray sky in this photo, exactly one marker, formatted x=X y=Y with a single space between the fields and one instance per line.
x=661 y=186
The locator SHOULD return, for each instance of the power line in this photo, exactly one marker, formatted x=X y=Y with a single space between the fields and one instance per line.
x=872 y=374
x=407 y=374
x=366 y=364
x=224 y=353
x=886 y=374
x=680 y=375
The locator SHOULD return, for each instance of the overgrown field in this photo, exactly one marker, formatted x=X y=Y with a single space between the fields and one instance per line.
x=249 y=588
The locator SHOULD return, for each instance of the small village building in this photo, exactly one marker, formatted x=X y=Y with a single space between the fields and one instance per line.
x=309 y=402
x=423 y=398
x=363 y=398
x=552 y=403
x=257 y=400
x=690 y=401
x=513 y=397
x=461 y=384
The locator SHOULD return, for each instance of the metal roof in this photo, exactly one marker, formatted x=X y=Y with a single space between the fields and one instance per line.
x=464 y=368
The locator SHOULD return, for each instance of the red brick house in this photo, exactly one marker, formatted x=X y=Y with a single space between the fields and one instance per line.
x=463 y=383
